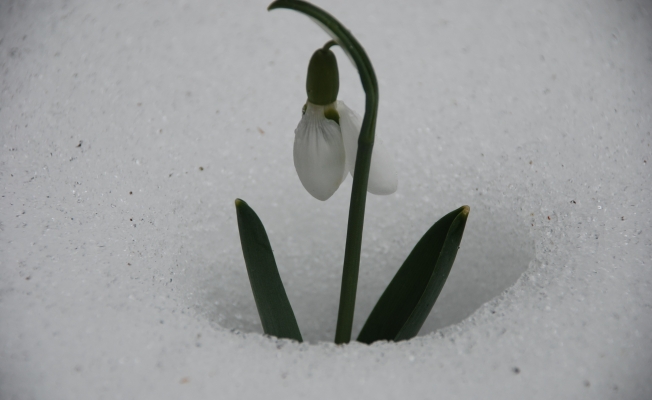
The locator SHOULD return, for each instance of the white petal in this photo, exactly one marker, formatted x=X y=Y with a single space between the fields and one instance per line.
x=350 y=122
x=382 y=173
x=319 y=156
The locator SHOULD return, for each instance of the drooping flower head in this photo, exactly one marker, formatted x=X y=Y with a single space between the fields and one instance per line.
x=326 y=139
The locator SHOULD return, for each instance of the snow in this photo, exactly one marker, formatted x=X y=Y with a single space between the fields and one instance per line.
x=127 y=131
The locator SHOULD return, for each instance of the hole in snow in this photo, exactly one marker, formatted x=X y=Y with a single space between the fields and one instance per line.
x=495 y=251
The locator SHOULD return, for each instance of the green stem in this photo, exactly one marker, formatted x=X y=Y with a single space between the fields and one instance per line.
x=353 y=245
x=363 y=161
x=329 y=44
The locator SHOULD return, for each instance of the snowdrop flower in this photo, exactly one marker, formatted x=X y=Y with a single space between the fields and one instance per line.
x=326 y=140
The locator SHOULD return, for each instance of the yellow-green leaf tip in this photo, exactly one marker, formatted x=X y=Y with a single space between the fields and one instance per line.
x=239 y=202
x=465 y=211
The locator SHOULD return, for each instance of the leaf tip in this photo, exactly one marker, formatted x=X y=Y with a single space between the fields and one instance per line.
x=465 y=211
x=239 y=203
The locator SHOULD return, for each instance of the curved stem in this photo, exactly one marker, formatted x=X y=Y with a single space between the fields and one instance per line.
x=363 y=161
x=329 y=44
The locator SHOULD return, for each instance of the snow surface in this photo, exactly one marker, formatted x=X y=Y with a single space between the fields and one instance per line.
x=128 y=129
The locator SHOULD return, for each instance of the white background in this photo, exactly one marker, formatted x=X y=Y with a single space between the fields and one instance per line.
x=128 y=129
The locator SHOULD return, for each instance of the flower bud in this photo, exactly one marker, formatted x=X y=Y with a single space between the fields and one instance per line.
x=323 y=80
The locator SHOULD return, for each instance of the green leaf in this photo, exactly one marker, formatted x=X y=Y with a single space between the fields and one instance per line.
x=407 y=301
x=273 y=305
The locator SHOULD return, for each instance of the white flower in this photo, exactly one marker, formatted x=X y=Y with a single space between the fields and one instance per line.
x=325 y=149
x=382 y=174
x=319 y=154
